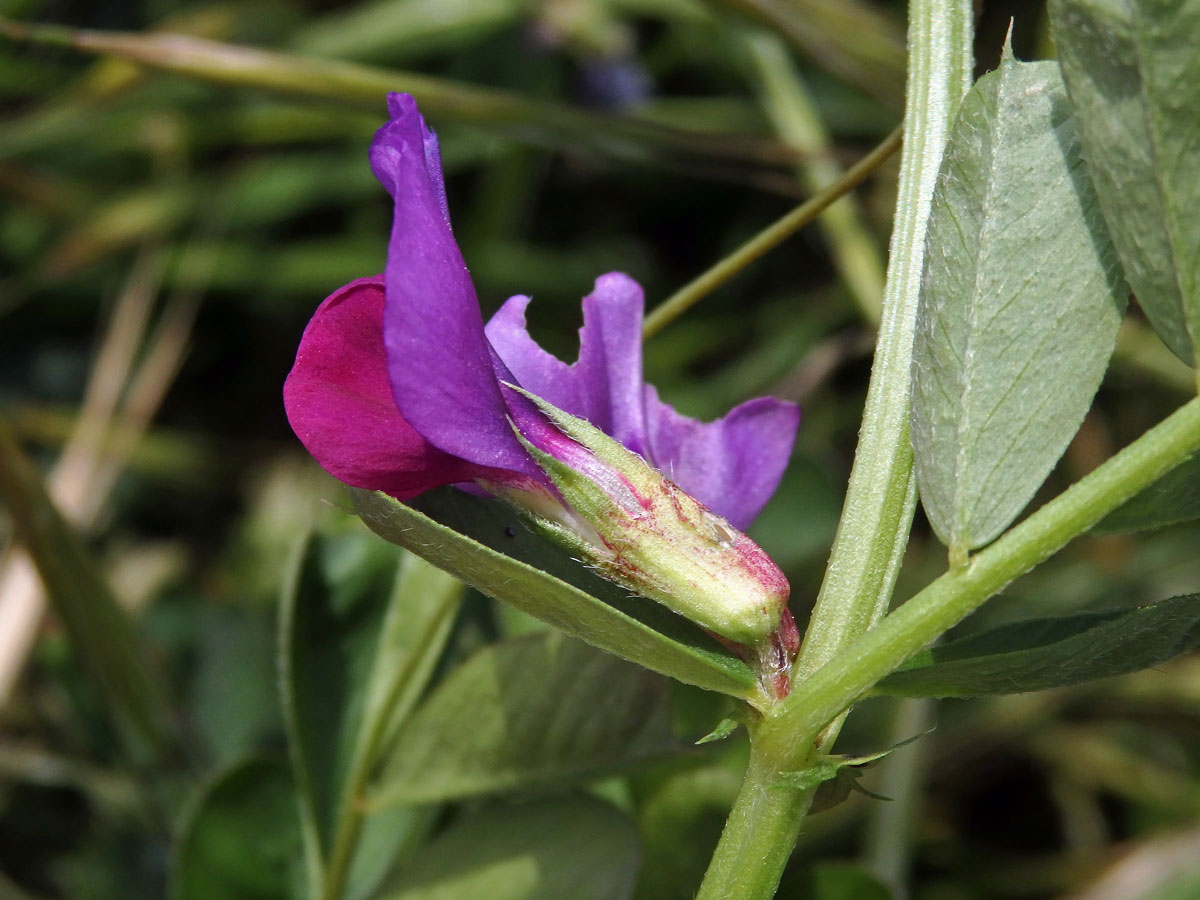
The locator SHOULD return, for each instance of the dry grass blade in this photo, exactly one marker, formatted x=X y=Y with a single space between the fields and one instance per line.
x=71 y=483
x=538 y=121
x=118 y=406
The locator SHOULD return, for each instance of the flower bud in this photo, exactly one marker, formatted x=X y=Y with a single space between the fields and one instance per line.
x=643 y=532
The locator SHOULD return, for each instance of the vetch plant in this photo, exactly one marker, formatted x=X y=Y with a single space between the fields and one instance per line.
x=1034 y=204
x=1004 y=366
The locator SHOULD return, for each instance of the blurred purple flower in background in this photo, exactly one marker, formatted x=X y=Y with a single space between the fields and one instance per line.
x=398 y=385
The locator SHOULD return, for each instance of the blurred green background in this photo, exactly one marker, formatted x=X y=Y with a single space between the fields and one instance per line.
x=164 y=239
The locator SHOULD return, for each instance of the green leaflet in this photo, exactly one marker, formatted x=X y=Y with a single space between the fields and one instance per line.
x=1047 y=653
x=542 y=709
x=1133 y=74
x=723 y=729
x=572 y=847
x=1019 y=310
x=486 y=546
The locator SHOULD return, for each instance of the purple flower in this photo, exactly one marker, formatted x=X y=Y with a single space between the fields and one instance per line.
x=398 y=385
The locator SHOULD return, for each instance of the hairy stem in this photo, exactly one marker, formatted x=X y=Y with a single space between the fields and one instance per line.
x=760 y=833
x=768 y=812
x=880 y=497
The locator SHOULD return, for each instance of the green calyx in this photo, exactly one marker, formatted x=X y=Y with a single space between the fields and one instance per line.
x=645 y=533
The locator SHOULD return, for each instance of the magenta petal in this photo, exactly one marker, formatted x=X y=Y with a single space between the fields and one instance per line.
x=339 y=402
x=439 y=362
x=732 y=465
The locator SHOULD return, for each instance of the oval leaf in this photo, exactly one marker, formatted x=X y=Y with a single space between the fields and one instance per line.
x=535 y=710
x=241 y=840
x=1047 y=653
x=486 y=546
x=1133 y=74
x=576 y=848
x=1019 y=310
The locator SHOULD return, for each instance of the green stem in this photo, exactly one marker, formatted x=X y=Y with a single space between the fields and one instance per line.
x=796 y=721
x=880 y=497
x=759 y=835
x=766 y=240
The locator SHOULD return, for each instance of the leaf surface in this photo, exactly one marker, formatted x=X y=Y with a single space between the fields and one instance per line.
x=1133 y=74
x=843 y=881
x=487 y=546
x=576 y=848
x=241 y=840
x=1019 y=310
x=1172 y=500
x=1047 y=653
x=536 y=710
x=362 y=627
